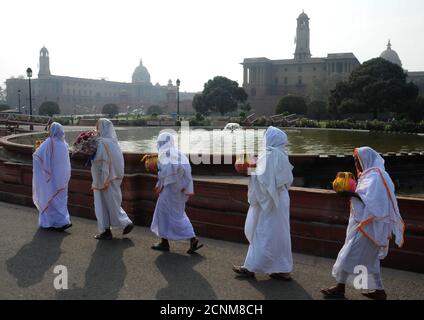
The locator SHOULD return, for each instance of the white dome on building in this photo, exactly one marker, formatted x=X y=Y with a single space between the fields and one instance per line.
x=391 y=55
x=141 y=75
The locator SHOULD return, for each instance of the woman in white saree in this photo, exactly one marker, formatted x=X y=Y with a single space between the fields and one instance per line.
x=174 y=186
x=51 y=174
x=267 y=225
x=107 y=170
x=374 y=218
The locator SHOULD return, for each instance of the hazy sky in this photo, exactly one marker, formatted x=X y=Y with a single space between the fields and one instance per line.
x=196 y=40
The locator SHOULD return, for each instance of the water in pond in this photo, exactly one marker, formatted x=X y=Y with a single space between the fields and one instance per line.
x=301 y=141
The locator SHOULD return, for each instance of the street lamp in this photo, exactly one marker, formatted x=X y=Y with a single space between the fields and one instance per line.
x=19 y=100
x=29 y=75
x=178 y=99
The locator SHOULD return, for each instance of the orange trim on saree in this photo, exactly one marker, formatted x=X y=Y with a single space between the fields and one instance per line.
x=52 y=198
x=361 y=226
x=106 y=183
x=391 y=201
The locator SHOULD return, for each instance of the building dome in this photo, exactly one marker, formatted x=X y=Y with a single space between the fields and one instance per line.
x=141 y=75
x=391 y=55
x=303 y=16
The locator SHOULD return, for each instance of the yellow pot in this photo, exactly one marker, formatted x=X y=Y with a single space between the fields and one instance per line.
x=344 y=182
x=37 y=143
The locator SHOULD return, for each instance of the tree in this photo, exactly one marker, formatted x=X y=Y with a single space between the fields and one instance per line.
x=110 y=109
x=317 y=109
x=49 y=108
x=199 y=104
x=246 y=107
x=154 y=109
x=415 y=112
x=291 y=104
x=220 y=95
x=376 y=86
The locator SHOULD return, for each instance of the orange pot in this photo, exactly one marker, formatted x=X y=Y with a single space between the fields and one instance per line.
x=150 y=163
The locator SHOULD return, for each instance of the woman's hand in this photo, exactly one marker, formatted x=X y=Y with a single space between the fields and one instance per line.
x=349 y=194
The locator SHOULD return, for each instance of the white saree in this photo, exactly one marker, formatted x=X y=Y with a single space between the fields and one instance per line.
x=170 y=220
x=51 y=175
x=107 y=170
x=372 y=223
x=267 y=225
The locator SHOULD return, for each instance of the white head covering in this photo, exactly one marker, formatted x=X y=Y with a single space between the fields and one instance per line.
x=274 y=171
x=380 y=217
x=109 y=157
x=51 y=168
x=106 y=130
x=57 y=131
x=369 y=158
x=173 y=165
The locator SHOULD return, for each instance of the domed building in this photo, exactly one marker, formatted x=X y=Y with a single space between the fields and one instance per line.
x=416 y=77
x=391 y=55
x=75 y=95
x=141 y=74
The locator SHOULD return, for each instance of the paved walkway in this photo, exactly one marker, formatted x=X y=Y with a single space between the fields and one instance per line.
x=126 y=268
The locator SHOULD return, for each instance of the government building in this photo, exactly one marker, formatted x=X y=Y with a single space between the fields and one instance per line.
x=267 y=81
x=88 y=96
x=416 y=77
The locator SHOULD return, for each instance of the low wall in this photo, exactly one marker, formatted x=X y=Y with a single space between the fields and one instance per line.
x=312 y=171
x=218 y=210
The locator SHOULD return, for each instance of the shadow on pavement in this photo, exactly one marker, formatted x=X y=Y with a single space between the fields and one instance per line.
x=105 y=275
x=35 y=258
x=183 y=281
x=273 y=289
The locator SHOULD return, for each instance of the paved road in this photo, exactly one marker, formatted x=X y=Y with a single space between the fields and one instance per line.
x=126 y=268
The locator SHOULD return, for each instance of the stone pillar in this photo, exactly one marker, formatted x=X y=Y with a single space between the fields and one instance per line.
x=260 y=75
x=244 y=75
x=263 y=75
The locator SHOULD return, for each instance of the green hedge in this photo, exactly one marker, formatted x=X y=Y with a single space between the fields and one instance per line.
x=376 y=125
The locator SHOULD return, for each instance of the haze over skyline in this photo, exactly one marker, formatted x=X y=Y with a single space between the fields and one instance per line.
x=197 y=40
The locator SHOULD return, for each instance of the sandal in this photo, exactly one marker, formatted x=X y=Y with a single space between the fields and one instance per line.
x=243 y=272
x=281 y=276
x=194 y=246
x=376 y=295
x=128 y=228
x=333 y=293
x=65 y=227
x=107 y=235
x=160 y=247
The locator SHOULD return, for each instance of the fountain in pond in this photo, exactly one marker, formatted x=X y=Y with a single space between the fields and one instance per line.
x=232 y=127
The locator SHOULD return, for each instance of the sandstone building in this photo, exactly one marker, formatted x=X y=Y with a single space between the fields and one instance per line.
x=82 y=96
